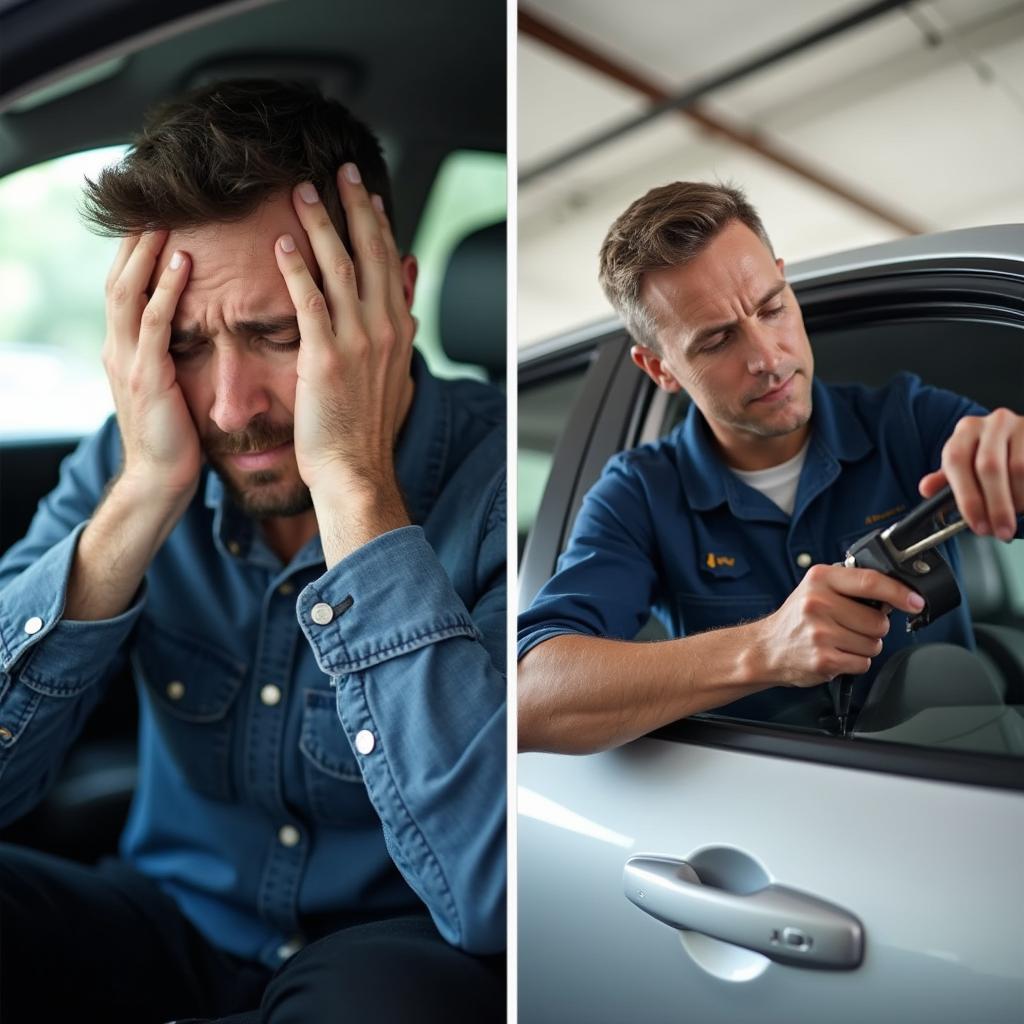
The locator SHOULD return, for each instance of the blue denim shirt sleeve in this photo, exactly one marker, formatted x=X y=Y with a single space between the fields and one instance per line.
x=420 y=672
x=52 y=671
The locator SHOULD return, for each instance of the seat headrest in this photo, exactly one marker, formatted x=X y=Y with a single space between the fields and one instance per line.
x=472 y=308
x=918 y=678
x=981 y=577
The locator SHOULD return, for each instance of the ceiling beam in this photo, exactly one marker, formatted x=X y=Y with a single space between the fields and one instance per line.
x=544 y=32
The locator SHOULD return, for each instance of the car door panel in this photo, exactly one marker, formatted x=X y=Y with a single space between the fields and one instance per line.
x=914 y=860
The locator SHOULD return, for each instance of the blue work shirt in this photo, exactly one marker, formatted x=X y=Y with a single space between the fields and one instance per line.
x=294 y=777
x=669 y=529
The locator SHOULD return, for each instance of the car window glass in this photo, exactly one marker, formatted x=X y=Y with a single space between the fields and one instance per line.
x=544 y=408
x=975 y=703
x=468 y=193
x=52 y=273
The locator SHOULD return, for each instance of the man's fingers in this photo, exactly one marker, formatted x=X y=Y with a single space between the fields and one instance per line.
x=931 y=483
x=861 y=619
x=958 y=456
x=991 y=460
x=396 y=290
x=1015 y=461
x=869 y=585
x=127 y=295
x=335 y=262
x=155 y=322
x=369 y=247
x=124 y=250
x=314 y=317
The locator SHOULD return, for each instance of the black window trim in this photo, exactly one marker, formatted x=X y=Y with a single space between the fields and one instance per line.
x=937 y=764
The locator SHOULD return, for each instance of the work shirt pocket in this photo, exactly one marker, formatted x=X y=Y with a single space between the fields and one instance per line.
x=190 y=687
x=334 y=783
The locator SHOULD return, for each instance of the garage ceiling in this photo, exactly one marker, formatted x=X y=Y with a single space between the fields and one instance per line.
x=912 y=121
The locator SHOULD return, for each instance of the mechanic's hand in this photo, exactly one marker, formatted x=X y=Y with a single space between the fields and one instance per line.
x=983 y=462
x=354 y=383
x=823 y=630
x=161 y=444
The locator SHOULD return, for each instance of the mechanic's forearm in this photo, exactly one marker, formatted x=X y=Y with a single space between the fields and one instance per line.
x=116 y=548
x=352 y=512
x=580 y=694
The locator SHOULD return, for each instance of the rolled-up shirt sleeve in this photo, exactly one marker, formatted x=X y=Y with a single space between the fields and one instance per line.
x=420 y=686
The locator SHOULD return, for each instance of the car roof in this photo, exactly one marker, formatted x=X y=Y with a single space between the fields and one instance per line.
x=993 y=246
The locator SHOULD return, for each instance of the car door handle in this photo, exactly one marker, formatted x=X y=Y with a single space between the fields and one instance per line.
x=783 y=924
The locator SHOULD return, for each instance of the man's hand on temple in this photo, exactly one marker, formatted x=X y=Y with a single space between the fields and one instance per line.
x=162 y=454
x=161 y=445
x=824 y=629
x=354 y=386
x=983 y=463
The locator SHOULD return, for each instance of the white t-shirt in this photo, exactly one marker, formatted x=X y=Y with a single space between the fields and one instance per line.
x=778 y=483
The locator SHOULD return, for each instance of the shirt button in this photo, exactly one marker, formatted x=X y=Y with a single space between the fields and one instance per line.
x=5 y=733
x=321 y=613
x=176 y=689
x=804 y=560
x=285 y=588
x=234 y=547
x=289 y=949
x=365 y=741
x=288 y=835
x=270 y=695
x=33 y=625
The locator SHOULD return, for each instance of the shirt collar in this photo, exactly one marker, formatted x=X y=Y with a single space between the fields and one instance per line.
x=420 y=457
x=837 y=436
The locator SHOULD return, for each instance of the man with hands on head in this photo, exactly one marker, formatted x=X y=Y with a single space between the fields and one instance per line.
x=731 y=527
x=297 y=536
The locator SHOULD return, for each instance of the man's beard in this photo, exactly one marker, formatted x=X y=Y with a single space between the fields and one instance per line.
x=258 y=498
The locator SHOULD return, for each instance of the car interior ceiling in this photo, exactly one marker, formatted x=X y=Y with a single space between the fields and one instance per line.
x=423 y=108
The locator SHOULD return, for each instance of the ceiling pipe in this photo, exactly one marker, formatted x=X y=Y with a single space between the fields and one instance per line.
x=685 y=104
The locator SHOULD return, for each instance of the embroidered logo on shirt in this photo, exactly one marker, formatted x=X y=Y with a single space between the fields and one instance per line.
x=715 y=561
x=879 y=516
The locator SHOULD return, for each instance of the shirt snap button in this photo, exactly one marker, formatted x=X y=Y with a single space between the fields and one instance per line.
x=234 y=547
x=5 y=733
x=288 y=949
x=365 y=741
x=288 y=835
x=33 y=625
x=285 y=588
x=321 y=613
x=176 y=689
x=804 y=560
x=270 y=695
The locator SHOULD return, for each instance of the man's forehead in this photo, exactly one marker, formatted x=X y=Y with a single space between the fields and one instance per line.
x=706 y=289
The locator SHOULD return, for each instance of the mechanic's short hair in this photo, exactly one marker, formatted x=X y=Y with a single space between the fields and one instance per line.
x=667 y=227
x=217 y=152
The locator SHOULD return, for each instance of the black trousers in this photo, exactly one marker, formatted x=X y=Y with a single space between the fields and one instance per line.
x=105 y=944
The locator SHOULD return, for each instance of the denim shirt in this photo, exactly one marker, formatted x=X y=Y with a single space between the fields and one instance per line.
x=669 y=528
x=296 y=774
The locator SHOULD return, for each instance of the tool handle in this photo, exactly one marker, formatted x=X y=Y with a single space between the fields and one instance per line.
x=907 y=530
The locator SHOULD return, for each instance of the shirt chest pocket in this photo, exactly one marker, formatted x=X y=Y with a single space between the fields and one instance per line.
x=190 y=687
x=723 y=595
x=334 y=783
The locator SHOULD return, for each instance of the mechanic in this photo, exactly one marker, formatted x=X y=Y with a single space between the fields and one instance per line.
x=729 y=528
x=300 y=545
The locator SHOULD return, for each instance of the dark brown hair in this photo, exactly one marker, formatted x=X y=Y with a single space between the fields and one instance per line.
x=667 y=227
x=219 y=151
